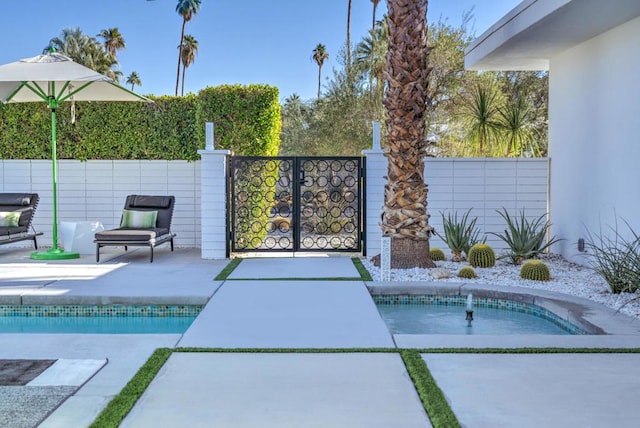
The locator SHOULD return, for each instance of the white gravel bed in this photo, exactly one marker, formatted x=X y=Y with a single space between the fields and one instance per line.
x=566 y=277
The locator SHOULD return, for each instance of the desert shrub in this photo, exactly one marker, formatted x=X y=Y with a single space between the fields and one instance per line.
x=535 y=270
x=525 y=238
x=482 y=255
x=436 y=254
x=460 y=234
x=616 y=259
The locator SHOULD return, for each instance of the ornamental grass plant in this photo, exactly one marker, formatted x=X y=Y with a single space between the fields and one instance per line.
x=616 y=258
x=525 y=238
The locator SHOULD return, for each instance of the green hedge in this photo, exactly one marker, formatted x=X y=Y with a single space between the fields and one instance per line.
x=247 y=121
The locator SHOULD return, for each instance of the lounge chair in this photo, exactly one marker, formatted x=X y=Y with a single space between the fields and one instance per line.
x=16 y=215
x=146 y=222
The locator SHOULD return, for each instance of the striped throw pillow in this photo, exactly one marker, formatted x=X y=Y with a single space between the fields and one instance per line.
x=138 y=219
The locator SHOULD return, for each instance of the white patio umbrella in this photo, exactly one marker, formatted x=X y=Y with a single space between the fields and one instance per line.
x=54 y=79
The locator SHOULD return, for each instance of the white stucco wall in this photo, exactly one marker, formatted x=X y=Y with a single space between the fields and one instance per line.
x=594 y=136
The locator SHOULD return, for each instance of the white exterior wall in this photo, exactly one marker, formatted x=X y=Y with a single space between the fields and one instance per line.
x=96 y=190
x=594 y=129
x=485 y=185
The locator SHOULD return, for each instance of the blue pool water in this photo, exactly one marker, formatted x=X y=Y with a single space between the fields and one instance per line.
x=491 y=317
x=111 y=319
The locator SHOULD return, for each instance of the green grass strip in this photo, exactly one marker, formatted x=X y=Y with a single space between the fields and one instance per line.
x=529 y=350
x=230 y=267
x=433 y=400
x=121 y=405
x=364 y=273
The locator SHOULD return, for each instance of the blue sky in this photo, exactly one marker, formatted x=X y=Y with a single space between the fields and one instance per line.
x=240 y=41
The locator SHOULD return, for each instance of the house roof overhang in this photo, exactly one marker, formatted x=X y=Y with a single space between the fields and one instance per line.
x=537 y=30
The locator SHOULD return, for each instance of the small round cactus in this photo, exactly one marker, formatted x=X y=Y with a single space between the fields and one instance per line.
x=467 y=272
x=436 y=254
x=535 y=270
x=482 y=255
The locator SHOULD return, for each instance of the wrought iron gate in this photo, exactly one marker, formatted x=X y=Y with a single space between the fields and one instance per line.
x=296 y=204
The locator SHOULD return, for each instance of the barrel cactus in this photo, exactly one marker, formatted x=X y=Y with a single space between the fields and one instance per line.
x=436 y=254
x=467 y=272
x=482 y=255
x=535 y=270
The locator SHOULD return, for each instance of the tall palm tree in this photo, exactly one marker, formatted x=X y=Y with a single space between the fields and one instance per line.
x=349 y=36
x=187 y=9
x=375 y=6
x=113 y=40
x=405 y=218
x=189 y=51
x=133 y=79
x=320 y=55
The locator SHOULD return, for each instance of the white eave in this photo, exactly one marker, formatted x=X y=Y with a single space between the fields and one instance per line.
x=537 y=30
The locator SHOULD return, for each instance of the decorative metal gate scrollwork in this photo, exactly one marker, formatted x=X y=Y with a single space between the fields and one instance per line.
x=296 y=204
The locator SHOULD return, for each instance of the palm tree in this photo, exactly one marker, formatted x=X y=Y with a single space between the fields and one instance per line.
x=320 y=55
x=189 y=51
x=369 y=58
x=85 y=50
x=480 y=115
x=375 y=6
x=134 y=79
x=515 y=120
x=113 y=40
x=349 y=36
x=405 y=218
x=187 y=9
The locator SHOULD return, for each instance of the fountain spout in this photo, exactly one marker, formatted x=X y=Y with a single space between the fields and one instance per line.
x=469 y=309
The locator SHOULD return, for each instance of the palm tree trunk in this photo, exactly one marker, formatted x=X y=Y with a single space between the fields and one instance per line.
x=405 y=217
x=184 y=22
x=184 y=71
x=349 y=37
x=319 y=73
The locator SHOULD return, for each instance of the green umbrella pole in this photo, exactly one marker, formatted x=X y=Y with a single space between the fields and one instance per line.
x=54 y=253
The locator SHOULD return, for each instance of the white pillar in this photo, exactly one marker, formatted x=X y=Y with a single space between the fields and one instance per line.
x=213 y=200
x=375 y=182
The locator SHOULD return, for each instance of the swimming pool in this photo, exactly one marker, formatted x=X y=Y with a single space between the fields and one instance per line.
x=409 y=314
x=97 y=319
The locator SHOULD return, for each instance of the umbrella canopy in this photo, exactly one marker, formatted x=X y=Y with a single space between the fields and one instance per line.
x=54 y=78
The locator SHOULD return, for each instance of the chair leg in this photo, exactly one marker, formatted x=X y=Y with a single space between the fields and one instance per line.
x=35 y=243
x=97 y=253
x=151 y=248
x=172 y=244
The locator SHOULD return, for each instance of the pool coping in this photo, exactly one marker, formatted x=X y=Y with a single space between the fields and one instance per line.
x=595 y=318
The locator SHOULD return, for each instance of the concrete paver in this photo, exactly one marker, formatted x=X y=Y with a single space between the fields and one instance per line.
x=539 y=390
x=289 y=314
x=296 y=267
x=280 y=390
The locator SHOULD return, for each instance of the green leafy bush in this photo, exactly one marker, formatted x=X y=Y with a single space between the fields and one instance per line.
x=436 y=254
x=482 y=255
x=247 y=120
x=467 y=272
x=616 y=259
x=460 y=235
x=535 y=270
x=525 y=238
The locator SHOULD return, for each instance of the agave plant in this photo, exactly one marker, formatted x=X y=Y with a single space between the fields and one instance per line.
x=460 y=235
x=525 y=238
